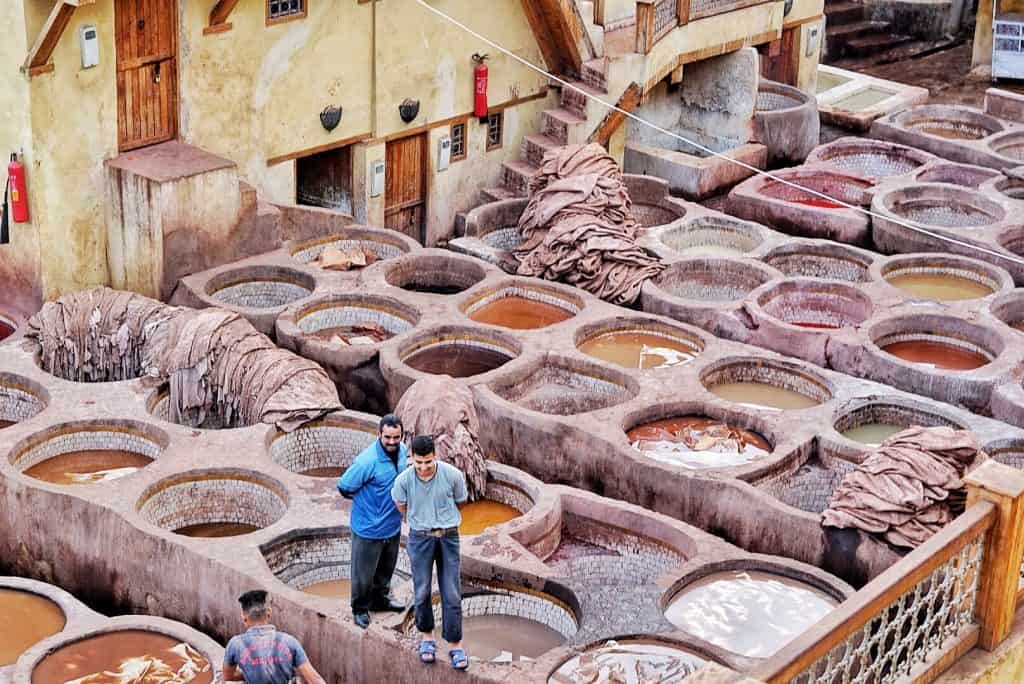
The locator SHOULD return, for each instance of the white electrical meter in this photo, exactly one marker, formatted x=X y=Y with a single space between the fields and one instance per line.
x=377 y=179
x=90 y=46
x=444 y=152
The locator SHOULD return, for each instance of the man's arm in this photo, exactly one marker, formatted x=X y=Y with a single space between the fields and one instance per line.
x=400 y=496
x=310 y=675
x=353 y=479
x=459 y=490
x=231 y=673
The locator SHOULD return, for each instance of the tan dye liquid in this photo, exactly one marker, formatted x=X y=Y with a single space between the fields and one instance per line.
x=126 y=657
x=337 y=589
x=25 y=619
x=872 y=434
x=503 y=638
x=951 y=133
x=760 y=395
x=747 y=612
x=664 y=440
x=88 y=467
x=479 y=515
x=327 y=471
x=936 y=355
x=520 y=313
x=711 y=250
x=638 y=350
x=941 y=288
x=214 y=530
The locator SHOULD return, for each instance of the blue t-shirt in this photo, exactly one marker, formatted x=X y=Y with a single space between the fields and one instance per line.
x=432 y=504
x=368 y=482
x=265 y=655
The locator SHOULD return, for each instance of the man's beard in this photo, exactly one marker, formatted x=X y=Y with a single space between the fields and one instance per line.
x=389 y=448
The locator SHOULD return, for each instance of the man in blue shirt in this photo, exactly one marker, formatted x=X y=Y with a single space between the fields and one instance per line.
x=262 y=655
x=431 y=495
x=375 y=521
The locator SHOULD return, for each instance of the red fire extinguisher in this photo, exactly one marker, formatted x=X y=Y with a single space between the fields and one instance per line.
x=19 y=193
x=480 y=87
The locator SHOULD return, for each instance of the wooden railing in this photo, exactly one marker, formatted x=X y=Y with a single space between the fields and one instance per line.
x=656 y=18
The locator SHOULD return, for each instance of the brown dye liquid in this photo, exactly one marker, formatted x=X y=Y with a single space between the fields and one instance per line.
x=25 y=619
x=747 y=612
x=638 y=350
x=6 y=423
x=88 y=467
x=760 y=395
x=216 y=529
x=352 y=334
x=814 y=326
x=479 y=515
x=872 y=434
x=125 y=657
x=338 y=589
x=5 y=331
x=327 y=471
x=434 y=289
x=504 y=638
x=941 y=288
x=458 y=361
x=520 y=313
x=1019 y=325
x=936 y=355
x=698 y=442
x=628 y=659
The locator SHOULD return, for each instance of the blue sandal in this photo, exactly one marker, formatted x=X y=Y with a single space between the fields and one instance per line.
x=460 y=661
x=428 y=649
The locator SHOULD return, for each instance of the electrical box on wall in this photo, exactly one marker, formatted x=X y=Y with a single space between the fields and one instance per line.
x=377 y=179
x=812 y=41
x=444 y=152
x=90 y=46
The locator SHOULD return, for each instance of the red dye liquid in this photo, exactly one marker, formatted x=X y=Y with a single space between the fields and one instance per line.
x=816 y=326
x=936 y=355
x=5 y=330
x=819 y=203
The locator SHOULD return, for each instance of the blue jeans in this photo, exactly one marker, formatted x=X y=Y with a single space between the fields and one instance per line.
x=424 y=551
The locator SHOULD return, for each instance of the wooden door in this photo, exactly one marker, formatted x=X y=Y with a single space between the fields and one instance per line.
x=405 y=194
x=147 y=72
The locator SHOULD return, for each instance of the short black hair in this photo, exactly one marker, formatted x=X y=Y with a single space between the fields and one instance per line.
x=254 y=604
x=422 y=445
x=390 y=420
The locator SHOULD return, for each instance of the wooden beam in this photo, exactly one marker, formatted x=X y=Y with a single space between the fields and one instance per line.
x=629 y=101
x=219 y=16
x=50 y=35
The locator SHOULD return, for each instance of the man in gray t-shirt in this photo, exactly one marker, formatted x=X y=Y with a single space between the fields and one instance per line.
x=429 y=495
x=263 y=655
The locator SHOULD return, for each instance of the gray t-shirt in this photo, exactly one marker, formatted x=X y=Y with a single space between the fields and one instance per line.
x=265 y=655
x=432 y=504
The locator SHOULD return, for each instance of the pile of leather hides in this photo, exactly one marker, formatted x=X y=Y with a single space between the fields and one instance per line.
x=443 y=408
x=578 y=226
x=220 y=370
x=613 y=664
x=909 y=487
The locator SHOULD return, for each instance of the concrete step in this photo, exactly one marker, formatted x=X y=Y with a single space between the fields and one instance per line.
x=838 y=37
x=875 y=44
x=516 y=176
x=839 y=13
x=573 y=100
x=495 y=195
x=557 y=124
x=594 y=74
x=536 y=146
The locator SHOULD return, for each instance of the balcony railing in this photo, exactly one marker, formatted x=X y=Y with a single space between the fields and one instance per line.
x=656 y=18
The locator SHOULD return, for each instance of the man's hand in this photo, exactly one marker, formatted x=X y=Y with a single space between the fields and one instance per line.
x=231 y=673
x=402 y=508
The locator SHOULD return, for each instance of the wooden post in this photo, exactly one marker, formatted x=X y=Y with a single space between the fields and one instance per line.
x=644 y=26
x=683 y=12
x=982 y=49
x=1004 y=548
x=599 y=12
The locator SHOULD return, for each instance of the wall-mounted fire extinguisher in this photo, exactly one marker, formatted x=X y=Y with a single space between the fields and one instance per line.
x=480 y=87
x=18 y=190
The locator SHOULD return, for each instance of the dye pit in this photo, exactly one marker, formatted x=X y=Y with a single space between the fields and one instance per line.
x=216 y=530
x=352 y=334
x=623 y=661
x=644 y=350
x=335 y=589
x=872 y=434
x=480 y=515
x=520 y=313
x=25 y=618
x=457 y=360
x=5 y=330
x=748 y=612
x=504 y=638
x=762 y=395
x=937 y=355
x=127 y=655
x=90 y=466
x=698 y=442
x=939 y=287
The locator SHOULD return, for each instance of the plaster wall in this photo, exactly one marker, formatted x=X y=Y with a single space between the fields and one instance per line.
x=807 y=69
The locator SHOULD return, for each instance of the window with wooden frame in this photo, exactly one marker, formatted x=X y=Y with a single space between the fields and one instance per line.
x=495 y=130
x=285 y=10
x=458 y=135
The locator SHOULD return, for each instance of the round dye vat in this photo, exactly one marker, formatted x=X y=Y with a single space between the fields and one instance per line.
x=216 y=530
x=818 y=203
x=336 y=589
x=88 y=467
x=712 y=250
x=5 y=330
x=520 y=313
x=327 y=471
x=872 y=434
x=645 y=350
x=698 y=442
x=505 y=638
x=125 y=656
x=937 y=355
x=761 y=395
x=25 y=619
x=457 y=360
x=623 y=662
x=352 y=334
x=939 y=287
x=748 y=612
x=479 y=515
x=953 y=130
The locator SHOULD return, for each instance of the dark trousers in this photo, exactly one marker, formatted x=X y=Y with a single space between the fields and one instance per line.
x=424 y=552
x=373 y=563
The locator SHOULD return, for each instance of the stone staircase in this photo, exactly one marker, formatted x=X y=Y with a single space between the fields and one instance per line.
x=564 y=125
x=851 y=33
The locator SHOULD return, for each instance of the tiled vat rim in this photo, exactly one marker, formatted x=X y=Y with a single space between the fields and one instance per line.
x=383 y=245
x=531 y=291
x=20 y=398
x=331 y=442
x=344 y=311
x=260 y=293
x=207 y=647
x=318 y=556
x=213 y=496
x=137 y=438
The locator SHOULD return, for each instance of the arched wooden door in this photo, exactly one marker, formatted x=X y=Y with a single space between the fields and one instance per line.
x=147 y=72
